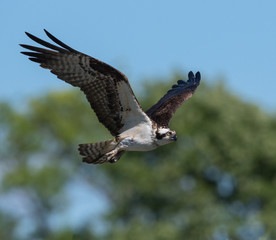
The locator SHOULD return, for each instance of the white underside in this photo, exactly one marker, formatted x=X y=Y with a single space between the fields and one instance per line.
x=135 y=144
x=138 y=138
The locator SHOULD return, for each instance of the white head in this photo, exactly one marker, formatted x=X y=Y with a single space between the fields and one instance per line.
x=165 y=136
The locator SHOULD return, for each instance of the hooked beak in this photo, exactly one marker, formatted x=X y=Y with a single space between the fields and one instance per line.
x=174 y=137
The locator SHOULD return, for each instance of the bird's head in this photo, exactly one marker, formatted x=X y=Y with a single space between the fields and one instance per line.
x=165 y=136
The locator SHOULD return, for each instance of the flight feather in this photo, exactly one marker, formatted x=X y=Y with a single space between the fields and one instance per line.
x=164 y=109
x=107 y=89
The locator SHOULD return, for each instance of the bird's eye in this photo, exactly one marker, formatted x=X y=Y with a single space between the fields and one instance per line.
x=169 y=133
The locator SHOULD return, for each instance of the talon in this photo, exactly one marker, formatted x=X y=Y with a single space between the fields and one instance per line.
x=112 y=160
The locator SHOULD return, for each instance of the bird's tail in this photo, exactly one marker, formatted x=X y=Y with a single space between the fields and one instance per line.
x=100 y=152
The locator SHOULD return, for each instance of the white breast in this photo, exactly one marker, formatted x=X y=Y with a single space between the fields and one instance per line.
x=138 y=138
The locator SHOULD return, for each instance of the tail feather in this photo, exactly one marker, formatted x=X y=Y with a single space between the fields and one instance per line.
x=93 y=149
x=100 y=152
x=90 y=159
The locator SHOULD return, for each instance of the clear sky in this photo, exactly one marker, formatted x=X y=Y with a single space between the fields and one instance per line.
x=233 y=39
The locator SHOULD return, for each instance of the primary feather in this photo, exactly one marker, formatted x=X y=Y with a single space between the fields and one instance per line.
x=103 y=85
x=164 y=109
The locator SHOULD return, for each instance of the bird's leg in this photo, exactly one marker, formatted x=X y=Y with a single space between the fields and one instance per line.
x=111 y=156
x=115 y=154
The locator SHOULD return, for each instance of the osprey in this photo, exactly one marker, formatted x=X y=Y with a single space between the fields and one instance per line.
x=111 y=97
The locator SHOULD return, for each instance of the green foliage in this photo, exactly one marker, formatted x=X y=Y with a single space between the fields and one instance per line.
x=216 y=182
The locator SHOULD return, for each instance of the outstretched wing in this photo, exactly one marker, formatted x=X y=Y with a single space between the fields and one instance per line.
x=165 y=108
x=107 y=90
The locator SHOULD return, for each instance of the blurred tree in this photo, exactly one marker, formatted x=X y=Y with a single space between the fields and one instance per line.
x=216 y=182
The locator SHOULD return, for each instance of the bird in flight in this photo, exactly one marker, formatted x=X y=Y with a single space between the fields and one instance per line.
x=112 y=99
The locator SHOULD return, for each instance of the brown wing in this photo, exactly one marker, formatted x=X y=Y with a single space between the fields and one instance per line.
x=107 y=90
x=165 y=108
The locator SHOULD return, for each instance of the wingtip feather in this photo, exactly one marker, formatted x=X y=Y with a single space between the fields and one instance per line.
x=25 y=53
x=198 y=76
x=191 y=75
x=60 y=43
x=34 y=60
x=28 y=34
x=31 y=36
x=47 y=33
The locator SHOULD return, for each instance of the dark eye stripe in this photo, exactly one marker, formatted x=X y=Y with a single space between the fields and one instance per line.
x=160 y=136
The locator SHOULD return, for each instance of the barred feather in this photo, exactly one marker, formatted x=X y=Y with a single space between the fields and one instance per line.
x=107 y=89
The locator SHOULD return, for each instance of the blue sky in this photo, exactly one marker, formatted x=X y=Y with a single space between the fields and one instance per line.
x=233 y=39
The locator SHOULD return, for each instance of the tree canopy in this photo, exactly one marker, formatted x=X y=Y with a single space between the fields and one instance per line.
x=216 y=182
